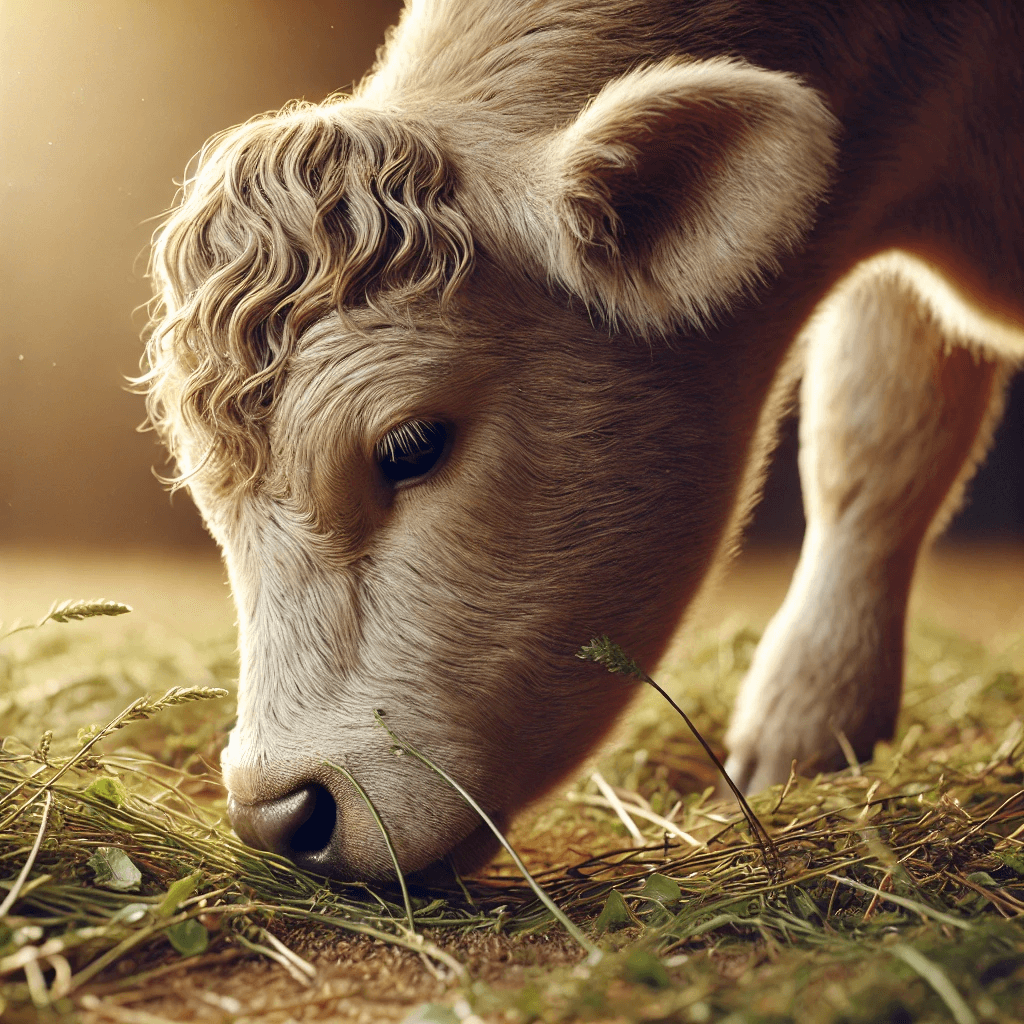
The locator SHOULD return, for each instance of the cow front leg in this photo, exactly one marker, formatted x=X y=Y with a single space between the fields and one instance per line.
x=893 y=420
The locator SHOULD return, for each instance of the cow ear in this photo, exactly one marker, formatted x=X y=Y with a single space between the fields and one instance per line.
x=679 y=186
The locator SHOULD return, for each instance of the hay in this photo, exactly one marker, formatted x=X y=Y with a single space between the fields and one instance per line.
x=900 y=896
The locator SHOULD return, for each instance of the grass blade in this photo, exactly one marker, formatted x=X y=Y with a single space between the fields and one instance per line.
x=560 y=915
x=902 y=901
x=933 y=974
x=609 y=654
x=387 y=838
x=12 y=896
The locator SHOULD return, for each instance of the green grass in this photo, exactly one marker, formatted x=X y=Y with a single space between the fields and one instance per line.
x=900 y=897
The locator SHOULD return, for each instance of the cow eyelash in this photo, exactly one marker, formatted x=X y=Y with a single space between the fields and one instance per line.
x=411 y=450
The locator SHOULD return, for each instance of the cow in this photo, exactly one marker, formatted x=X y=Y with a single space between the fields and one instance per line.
x=487 y=358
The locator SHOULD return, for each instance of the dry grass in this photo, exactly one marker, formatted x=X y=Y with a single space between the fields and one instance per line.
x=900 y=899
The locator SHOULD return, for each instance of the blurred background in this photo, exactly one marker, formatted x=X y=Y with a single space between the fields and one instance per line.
x=101 y=106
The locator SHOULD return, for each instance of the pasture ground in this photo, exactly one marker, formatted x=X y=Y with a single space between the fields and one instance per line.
x=900 y=895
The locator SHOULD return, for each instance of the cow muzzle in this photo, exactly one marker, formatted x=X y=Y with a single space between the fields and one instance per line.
x=299 y=826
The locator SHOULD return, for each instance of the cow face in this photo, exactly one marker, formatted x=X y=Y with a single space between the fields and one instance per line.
x=449 y=512
x=432 y=433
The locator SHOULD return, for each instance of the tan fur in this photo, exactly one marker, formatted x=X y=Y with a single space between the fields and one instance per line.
x=599 y=241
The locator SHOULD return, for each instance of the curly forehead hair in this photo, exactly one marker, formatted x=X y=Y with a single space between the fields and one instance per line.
x=286 y=218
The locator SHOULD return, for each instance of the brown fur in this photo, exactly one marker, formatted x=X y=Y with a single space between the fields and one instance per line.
x=591 y=238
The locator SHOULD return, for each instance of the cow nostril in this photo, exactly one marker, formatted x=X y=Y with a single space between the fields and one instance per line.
x=300 y=822
x=316 y=831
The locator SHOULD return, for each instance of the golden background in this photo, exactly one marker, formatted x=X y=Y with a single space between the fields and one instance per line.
x=102 y=103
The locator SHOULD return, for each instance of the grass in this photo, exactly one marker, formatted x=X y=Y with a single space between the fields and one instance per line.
x=899 y=896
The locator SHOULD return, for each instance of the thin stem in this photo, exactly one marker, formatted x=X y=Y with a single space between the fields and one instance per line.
x=901 y=901
x=12 y=896
x=769 y=851
x=387 y=838
x=609 y=654
x=559 y=914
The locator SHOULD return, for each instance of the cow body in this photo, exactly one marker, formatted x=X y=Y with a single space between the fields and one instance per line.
x=487 y=359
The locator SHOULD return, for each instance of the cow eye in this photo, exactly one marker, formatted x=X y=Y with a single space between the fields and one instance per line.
x=411 y=450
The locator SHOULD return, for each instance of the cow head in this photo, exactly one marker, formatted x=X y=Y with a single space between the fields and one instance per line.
x=441 y=395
